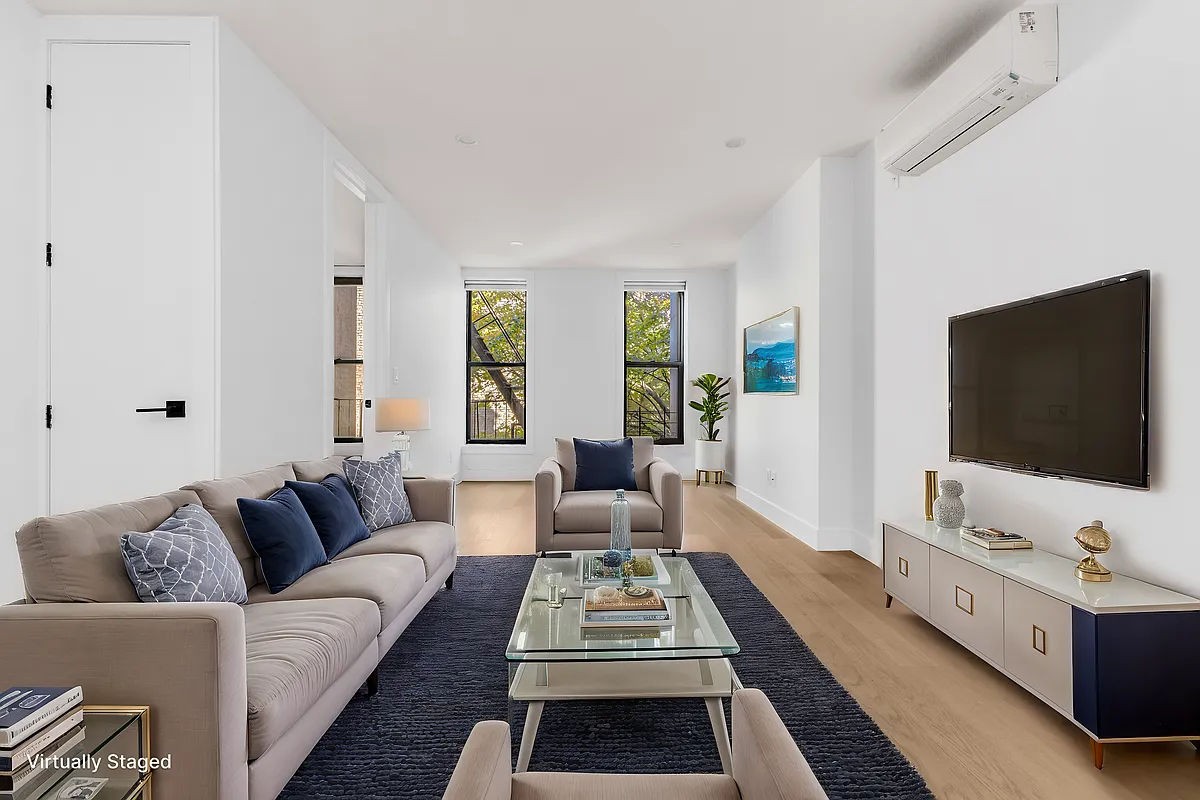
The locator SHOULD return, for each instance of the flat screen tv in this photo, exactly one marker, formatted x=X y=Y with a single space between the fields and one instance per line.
x=1056 y=385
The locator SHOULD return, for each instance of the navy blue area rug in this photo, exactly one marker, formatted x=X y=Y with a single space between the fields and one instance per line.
x=447 y=672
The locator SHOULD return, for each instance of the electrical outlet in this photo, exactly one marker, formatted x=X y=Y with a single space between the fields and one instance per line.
x=770 y=476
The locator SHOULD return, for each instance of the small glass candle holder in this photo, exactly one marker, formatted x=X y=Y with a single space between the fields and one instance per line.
x=555 y=591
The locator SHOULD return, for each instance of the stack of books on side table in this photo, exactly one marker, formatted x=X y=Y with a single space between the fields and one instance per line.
x=39 y=727
x=634 y=607
x=996 y=539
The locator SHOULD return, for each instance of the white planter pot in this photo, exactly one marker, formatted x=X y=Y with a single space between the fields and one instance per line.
x=710 y=455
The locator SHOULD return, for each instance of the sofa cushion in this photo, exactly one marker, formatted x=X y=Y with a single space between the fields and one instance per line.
x=77 y=557
x=186 y=559
x=318 y=470
x=334 y=513
x=604 y=465
x=390 y=581
x=379 y=489
x=434 y=542
x=220 y=497
x=295 y=651
x=589 y=512
x=591 y=786
x=643 y=454
x=283 y=536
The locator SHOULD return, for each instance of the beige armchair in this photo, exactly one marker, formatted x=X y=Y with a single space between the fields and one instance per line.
x=767 y=765
x=570 y=520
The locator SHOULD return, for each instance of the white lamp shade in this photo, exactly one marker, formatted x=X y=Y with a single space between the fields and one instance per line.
x=401 y=414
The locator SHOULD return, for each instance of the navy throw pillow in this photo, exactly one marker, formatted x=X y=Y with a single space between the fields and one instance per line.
x=333 y=512
x=283 y=536
x=604 y=465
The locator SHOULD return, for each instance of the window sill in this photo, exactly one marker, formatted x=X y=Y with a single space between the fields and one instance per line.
x=497 y=449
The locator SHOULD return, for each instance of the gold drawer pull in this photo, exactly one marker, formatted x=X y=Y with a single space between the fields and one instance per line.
x=1039 y=634
x=970 y=606
x=902 y=565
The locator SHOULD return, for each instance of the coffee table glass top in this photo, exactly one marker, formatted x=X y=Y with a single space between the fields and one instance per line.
x=542 y=633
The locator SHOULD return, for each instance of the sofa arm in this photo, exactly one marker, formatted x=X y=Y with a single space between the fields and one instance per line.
x=484 y=770
x=666 y=485
x=767 y=764
x=432 y=499
x=186 y=661
x=547 y=491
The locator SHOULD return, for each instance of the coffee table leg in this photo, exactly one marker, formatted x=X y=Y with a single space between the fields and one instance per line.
x=534 y=716
x=716 y=715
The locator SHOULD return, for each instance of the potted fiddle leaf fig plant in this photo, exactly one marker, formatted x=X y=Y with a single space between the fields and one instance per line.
x=710 y=450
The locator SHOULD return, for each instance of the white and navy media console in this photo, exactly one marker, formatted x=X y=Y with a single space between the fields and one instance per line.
x=1120 y=659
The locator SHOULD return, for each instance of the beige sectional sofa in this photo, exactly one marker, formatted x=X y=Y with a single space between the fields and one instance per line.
x=239 y=695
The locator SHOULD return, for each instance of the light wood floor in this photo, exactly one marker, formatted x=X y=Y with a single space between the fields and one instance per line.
x=970 y=731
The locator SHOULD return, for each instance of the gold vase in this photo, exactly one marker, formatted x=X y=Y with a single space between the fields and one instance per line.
x=931 y=492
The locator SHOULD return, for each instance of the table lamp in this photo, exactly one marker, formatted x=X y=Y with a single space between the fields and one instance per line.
x=402 y=414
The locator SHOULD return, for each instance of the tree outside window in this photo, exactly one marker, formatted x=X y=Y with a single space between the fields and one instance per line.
x=654 y=365
x=496 y=366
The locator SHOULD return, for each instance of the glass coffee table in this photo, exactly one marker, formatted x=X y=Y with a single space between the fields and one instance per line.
x=552 y=658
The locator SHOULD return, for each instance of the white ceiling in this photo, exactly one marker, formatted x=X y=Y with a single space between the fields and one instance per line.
x=600 y=123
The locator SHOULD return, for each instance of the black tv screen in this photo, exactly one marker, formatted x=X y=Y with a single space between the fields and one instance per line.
x=1056 y=385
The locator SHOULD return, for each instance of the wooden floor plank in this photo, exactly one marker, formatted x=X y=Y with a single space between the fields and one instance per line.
x=970 y=731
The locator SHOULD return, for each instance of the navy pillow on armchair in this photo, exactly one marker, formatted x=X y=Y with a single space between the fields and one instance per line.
x=283 y=536
x=333 y=512
x=604 y=465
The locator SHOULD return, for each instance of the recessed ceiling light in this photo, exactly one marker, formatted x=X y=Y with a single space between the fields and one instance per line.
x=515 y=243
x=462 y=138
x=735 y=142
x=676 y=244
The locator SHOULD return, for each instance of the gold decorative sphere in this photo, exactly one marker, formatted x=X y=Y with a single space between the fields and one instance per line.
x=1093 y=539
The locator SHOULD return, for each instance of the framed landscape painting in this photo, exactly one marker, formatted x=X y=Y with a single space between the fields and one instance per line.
x=769 y=354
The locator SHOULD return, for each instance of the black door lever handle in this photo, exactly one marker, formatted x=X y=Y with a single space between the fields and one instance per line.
x=174 y=409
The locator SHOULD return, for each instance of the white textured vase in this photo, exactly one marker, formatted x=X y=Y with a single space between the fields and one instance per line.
x=948 y=509
x=710 y=455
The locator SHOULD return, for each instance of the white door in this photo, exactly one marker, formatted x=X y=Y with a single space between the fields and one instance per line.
x=131 y=306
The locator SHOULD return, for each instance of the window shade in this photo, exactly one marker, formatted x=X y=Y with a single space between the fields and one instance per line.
x=655 y=286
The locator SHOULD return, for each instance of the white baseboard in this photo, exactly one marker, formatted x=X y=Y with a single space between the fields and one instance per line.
x=800 y=528
x=825 y=539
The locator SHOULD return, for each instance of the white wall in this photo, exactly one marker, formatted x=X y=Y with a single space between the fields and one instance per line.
x=808 y=251
x=575 y=361
x=273 y=278
x=426 y=353
x=1094 y=179
x=21 y=259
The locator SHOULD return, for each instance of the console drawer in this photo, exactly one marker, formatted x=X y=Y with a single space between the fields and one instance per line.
x=1037 y=642
x=906 y=569
x=967 y=601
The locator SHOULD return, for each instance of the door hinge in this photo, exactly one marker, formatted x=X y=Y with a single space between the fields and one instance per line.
x=49 y=254
x=49 y=96
x=49 y=416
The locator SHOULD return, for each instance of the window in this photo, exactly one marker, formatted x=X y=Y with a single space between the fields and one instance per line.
x=347 y=358
x=654 y=361
x=496 y=363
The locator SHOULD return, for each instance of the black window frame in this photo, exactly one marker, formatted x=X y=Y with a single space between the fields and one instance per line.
x=522 y=365
x=349 y=280
x=677 y=407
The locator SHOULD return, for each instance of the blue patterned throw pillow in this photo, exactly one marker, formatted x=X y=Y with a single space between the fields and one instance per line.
x=379 y=489
x=185 y=559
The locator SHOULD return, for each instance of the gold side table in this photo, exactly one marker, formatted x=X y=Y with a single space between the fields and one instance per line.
x=113 y=757
x=716 y=476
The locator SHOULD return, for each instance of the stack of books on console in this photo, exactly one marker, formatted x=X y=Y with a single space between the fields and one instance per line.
x=609 y=607
x=39 y=728
x=996 y=539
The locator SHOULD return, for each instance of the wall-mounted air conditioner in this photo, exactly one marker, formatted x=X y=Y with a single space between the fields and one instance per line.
x=1015 y=62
